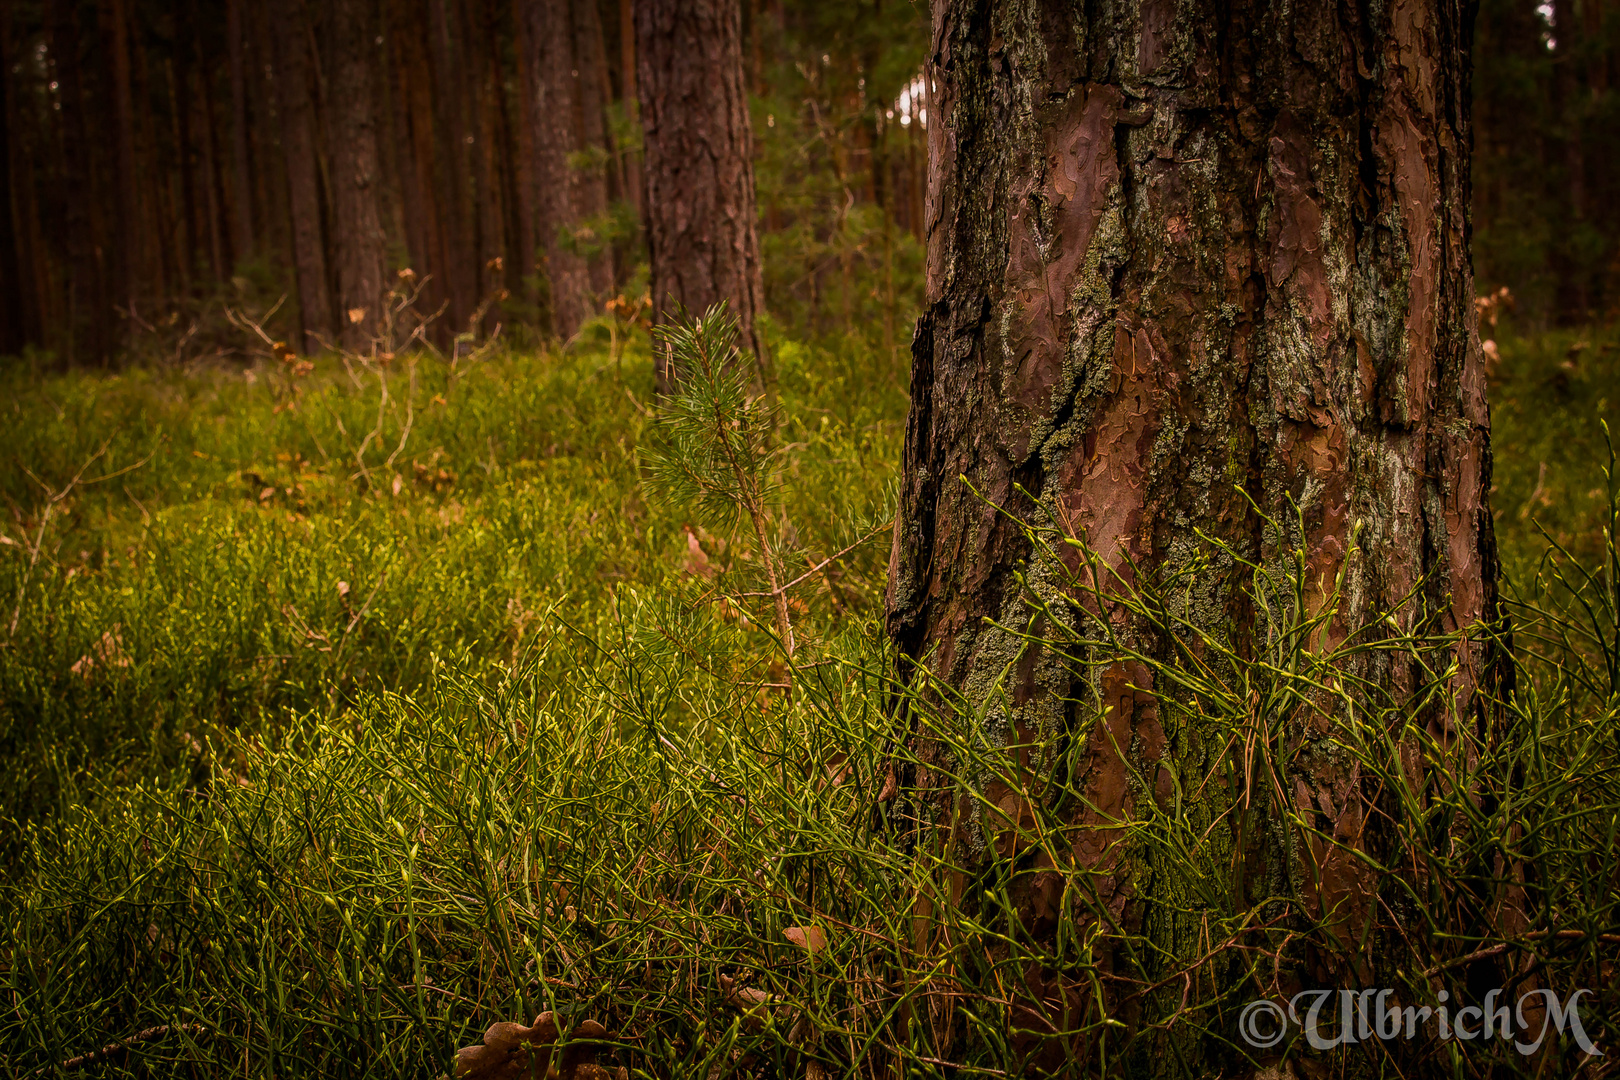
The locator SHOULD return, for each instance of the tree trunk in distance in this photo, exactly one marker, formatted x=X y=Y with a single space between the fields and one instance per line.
x=627 y=94
x=298 y=145
x=523 y=160
x=180 y=96
x=222 y=259
x=699 y=211
x=126 y=260
x=456 y=199
x=241 y=202
x=590 y=72
x=359 y=243
x=88 y=316
x=1176 y=263
x=1574 y=297
x=556 y=183
x=13 y=333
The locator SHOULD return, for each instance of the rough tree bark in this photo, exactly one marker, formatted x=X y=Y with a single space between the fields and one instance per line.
x=698 y=164
x=557 y=189
x=299 y=150
x=1180 y=258
x=359 y=244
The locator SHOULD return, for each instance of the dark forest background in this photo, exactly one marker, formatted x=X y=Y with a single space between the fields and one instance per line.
x=165 y=159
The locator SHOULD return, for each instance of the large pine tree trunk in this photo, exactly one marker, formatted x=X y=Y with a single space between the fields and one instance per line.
x=299 y=149
x=698 y=166
x=357 y=233
x=1178 y=261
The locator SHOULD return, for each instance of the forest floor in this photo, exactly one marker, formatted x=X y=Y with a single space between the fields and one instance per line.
x=345 y=713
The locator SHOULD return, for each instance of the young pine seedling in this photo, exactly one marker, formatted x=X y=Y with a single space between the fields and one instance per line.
x=711 y=452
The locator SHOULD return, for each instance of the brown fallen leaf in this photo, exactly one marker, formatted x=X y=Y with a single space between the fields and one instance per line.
x=811 y=939
x=697 y=560
x=513 y=1052
x=108 y=652
x=751 y=1001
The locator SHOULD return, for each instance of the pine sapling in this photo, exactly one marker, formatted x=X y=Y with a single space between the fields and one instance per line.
x=712 y=452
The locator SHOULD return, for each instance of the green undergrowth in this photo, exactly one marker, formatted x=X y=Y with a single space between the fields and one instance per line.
x=337 y=728
x=269 y=546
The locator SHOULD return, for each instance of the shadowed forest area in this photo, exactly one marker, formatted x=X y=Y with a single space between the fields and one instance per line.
x=164 y=161
x=530 y=543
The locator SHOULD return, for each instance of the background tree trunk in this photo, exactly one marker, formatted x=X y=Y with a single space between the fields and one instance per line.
x=241 y=202
x=699 y=173
x=455 y=200
x=558 y=197
x=13 y=332
x=1175 y=263
x=628 y=95
x=126 y=257
x=88 y=328
x=357 y=230
x=299 y=149
x=590 y=70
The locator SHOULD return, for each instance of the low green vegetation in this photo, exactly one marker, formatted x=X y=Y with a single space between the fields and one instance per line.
x=346 y=712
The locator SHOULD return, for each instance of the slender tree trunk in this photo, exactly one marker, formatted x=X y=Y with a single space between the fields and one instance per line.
x=523 y=165
x=359 y=243
x=299 y=148
x=556 y=184
x=13 y=331
x=153 y=260
x=88 y=295
x=268 y=188
x=180 y=86
x=241 y=201
x=1574 y=296
x=221 y=257
x=590 y=66
x=127 y=255
x=477 y=57
x=700 y=215
x=1188 y=270
x=634 y=183
x=455 y=200
x=415 y=97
